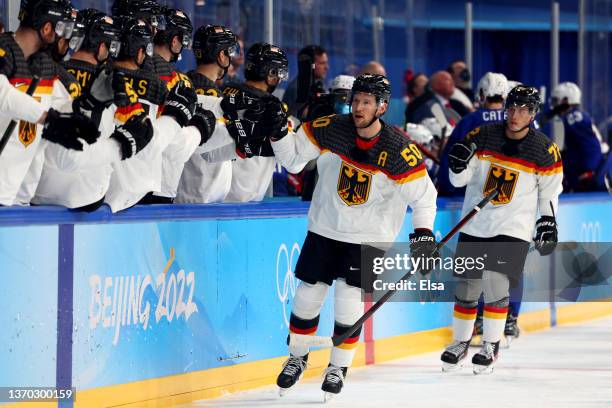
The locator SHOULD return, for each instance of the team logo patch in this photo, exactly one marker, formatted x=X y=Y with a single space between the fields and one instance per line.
x=27 y=130
x=353 y=185
x=27 y=133
x=503 y=178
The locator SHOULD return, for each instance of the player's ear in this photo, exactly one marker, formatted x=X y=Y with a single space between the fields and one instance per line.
x=47 y=32
x=383 y=108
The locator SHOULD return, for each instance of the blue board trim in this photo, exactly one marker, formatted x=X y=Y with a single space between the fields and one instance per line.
x=272 y=208
x=65 y=283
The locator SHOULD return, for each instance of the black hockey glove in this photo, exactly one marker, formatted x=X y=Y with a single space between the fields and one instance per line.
x=235 y=106
x=460 y=155
x=133 y=135
x=69 y=129
x=546 y=235
x=205 y=121
x=180 y=103
x=274 y=123
x=255 y=147
x=423 y=245
x=100 y=94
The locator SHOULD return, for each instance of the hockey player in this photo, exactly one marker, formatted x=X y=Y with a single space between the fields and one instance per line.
x=266 y=66
x=368 y=174
x=170 y=39
x=584 y=152
x=525 y=167
x=214 y=47
x=491 y=93
x=133 y=179
x=22 y=55
x=80 y=180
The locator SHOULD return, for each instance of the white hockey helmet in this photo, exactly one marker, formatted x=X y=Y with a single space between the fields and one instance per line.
x=492 y=84
x=342 y=82
x=433 y=126
x=419 y=133
x=567 y=90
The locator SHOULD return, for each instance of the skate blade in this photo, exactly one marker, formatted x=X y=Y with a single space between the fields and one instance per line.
x=480 y=369
x=449 y=367
x=328 y=396
x=507 y=341
x=283 y=391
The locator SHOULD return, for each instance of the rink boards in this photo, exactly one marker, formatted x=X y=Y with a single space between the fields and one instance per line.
x=171 y=304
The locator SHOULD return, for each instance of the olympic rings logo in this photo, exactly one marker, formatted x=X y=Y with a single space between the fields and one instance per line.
x=285 y=274
x=590 y=232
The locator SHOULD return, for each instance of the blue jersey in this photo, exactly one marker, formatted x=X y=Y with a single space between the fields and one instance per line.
x=465 y=126
x=582 y=151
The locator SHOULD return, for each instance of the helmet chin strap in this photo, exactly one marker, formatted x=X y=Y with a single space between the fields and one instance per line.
x=374 y=119
x=224 y=68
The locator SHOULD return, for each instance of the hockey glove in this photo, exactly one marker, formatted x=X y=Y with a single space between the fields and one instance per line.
x=100 y=94
x=205 y=121
x=235 y=106
x=460 y=155
x=423 y=245
x=69 y=129
x=180 y=104
x=255 y=147
x=274 y=123
x=133 y=135
x=546 y=235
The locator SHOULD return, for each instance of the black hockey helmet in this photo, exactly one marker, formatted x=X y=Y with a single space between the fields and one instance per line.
x=148 y=11
x=524 y=96
x=135 y=35
x=374 y=84
x=176 y=23
x=210 y=40
x=95 y=28
x=35 y=13
x=263 y=59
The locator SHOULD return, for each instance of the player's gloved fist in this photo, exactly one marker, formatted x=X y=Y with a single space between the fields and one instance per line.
x=100 y=93
x=69 y=129
x=423 y=245
x=255 y=147
x=133 y=135
x=274 y=123
x=205 y=121
x=460 y=155
x=546 y=235
x=180 y=103
x=234 y=106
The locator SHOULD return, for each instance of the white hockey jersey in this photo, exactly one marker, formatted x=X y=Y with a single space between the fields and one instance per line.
x=364 y=187
x=529 y=173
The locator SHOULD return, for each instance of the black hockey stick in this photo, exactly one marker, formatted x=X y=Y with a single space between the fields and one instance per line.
x=324 y=341
x=11 y=126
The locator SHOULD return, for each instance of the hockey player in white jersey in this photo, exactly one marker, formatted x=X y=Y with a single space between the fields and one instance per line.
x=203 y=181
x=265 y=67
x=525 y=167
x=22 y=56
x=368 y=174
x=134 y=179
x=80 y=180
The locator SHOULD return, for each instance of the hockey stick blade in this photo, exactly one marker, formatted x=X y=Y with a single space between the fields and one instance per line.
x=322 y=341
x=11 y=126
x=310 y=341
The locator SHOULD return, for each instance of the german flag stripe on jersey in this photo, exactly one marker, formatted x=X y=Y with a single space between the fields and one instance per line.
x=519 y=164
x=491 y=312
x=45 y=86
x=124 y=113
x=411 y=175
x=465 y=313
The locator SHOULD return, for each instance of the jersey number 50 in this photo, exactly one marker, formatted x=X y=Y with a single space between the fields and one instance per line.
x=412 y=155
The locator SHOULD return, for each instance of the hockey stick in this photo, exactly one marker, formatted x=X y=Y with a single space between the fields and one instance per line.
x=324 y=341
x=421 y=147
x=11 y=126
